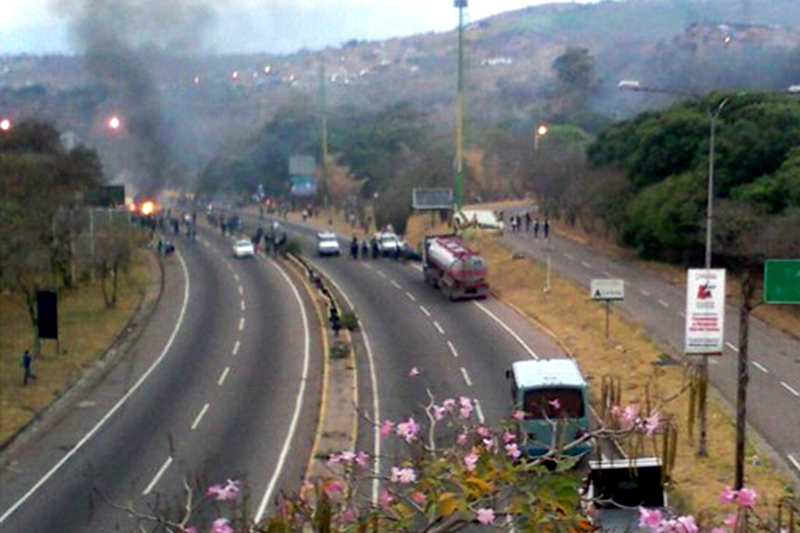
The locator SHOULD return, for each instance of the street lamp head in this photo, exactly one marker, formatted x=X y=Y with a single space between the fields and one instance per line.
x=114 y=122
x=541 y=130
x=5 y=124
x=794 y=89
x=460 y=3
x=629 y=85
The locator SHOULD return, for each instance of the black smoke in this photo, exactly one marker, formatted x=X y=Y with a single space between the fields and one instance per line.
x=121 y=40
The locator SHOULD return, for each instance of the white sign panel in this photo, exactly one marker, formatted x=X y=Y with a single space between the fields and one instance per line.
x=705 y=312
x=608 y=289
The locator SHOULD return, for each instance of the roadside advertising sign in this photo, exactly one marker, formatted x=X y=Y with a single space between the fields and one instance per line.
x=608 y=289
x=782 y=281
x=705 y=312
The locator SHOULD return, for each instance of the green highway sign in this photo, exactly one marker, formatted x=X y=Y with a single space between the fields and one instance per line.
x=782 y=281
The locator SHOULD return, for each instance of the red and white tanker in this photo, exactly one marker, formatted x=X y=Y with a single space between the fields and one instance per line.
x=452 y=266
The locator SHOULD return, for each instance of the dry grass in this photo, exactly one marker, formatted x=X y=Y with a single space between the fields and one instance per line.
x=579 y=324
x=86 y=329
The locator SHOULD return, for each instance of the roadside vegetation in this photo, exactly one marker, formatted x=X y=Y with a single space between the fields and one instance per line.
x=50 y=240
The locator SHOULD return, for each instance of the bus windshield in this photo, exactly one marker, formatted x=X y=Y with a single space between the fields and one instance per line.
x=553 y=403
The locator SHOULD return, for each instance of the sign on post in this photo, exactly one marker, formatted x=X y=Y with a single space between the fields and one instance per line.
x=425 y=198
x=782 y=281
x=705 y=312
x=608 y=289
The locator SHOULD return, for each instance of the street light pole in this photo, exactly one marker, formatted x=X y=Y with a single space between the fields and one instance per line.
x=458 y=184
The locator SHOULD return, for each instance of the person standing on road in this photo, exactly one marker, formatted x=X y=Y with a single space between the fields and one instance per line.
x=354 y=248
x=536 y=229
x=527 y=222
x=27 y=367
x=364 y=249
x=546 y=228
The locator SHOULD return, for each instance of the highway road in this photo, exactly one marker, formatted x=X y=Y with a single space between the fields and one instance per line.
x=223 y=383
x=461 y=348
x=774 y=390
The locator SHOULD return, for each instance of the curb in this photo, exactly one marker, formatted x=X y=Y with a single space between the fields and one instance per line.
x=98 y=369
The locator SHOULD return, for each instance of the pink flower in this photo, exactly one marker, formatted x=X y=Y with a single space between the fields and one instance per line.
x=228 y=492
x=387 y=428
x=490 y=444
x=483 y=432
x=344 y=457
x=629 y=414
x=652 y=423
x=462 y=438
x=403 y=475
x=362 y=459
x=439 y=412
x=555 y=403
x=466 y=407
x=386 y=498
x=408 y=430
x=512 y=450
x=418 y=497
x=650 y=518
x=190 y=529
x=718 y=530
x=449 y=404
x=414 y=372
x=470 y=460
x=746 y=498
x=485 y=516
x=688 y=524
x=348 y=516
x=728 y=495
x=518 y=415
x=730 y=521
x=333 y=486
x=508 y=436
x=221 y=525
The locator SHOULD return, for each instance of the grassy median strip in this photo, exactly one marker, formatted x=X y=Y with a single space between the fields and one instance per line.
x=579 y=324
x=86 y=328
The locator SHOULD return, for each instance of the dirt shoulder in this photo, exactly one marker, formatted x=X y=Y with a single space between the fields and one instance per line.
x=87 y=330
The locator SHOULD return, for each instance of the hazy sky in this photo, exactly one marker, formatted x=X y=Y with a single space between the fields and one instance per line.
x=277 y=26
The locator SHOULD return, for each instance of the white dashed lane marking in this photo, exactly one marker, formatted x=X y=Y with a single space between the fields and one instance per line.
x=438 y=327
x=644 y=292
x=663 y=304
x=222 y=376
x=587 y=265
x=479 y=411
x=236 y=348
x=794 y=461
x=241 y=324
x=411 y=297
x=243 y=306
x=158 y=475
x=568 y=256
x=452 y=349
x=381 y=274
x=760 y=367
x=790 y=389
x=466 y=377
x=241 y=289
x=200 y=416
x=732 y=347
x=607 y=273
x=422 y=308
x=396 y=285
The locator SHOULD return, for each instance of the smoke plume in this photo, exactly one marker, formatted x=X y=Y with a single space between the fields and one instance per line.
x=120 y=39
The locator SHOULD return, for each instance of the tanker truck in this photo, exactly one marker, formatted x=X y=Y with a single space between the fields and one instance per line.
x=453 y=267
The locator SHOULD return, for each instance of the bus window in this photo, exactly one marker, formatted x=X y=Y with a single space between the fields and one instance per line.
x=553 y=403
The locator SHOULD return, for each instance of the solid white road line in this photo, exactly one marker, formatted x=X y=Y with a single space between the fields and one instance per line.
x=200 y=416
x=222 y=376
x=466 y=377
x=236 y=348
x=427 y=313
x=452 y=349
x=411 y=297
x=644 y=292
x=298 y=407
x=790 y=389
x=732 y=347
x=663 y=304
x=243 y=306
x=479 y=411
x=158 y=475
x=241 y=324
x=794 y=461
x=508 y=329
x=81 y=443
x=396 y=285
x=760 y=367
x=438 y=327
x=587 y=265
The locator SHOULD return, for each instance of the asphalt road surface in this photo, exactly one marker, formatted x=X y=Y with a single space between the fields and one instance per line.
x=774 y=389
x=223 y=383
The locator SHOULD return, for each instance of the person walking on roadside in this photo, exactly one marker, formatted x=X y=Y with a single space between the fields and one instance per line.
x=546 y=228
x=354 y=248
x=27 y=367
x=364 y=249
x=536 y=229
x=527 y=222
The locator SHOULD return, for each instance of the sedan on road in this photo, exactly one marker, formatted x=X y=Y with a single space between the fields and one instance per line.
x=327 y=243
x=243 y=249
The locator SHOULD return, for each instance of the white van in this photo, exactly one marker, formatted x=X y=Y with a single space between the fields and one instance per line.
x=482 y=218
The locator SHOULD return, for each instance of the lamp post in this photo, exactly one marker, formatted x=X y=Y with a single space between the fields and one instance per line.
x=541 y=131
x=458 y=183
x=5 y=124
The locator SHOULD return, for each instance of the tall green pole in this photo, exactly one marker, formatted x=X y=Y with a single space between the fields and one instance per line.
x=458 y=183
x=324 y=131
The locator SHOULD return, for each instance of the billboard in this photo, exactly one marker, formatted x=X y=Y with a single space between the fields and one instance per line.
x=303 y=186
x=607 y=289
x=705 y=312
x=432 y=198
x=302 y=165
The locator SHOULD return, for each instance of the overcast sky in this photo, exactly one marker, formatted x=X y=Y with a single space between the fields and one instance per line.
x=277 y=26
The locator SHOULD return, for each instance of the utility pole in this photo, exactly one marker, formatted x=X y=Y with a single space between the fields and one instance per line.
x=324 y=130
x=458 y=184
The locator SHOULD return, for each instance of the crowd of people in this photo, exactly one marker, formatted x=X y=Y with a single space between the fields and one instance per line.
x=527 y=223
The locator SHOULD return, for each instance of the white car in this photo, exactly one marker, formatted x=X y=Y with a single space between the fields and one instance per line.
x=327 y=243
x=388 y=243
x=243 y=249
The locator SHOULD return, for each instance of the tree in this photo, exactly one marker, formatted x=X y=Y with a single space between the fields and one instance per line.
x=575 y=76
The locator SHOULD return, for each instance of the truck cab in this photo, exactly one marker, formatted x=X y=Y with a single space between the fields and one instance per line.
x=553 y=395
